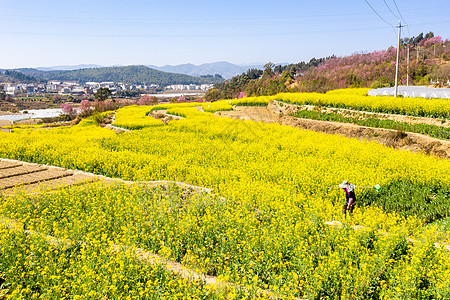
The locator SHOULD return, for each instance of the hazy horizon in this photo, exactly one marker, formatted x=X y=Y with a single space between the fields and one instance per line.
x=53 y=33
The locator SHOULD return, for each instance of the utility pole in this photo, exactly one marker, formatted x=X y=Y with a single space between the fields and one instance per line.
x=407 y=68
x=398 y=54
x=417 y=52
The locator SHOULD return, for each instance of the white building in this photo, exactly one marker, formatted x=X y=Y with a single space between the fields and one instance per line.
x=107 y=84
x=92 y=84
x=11 y=89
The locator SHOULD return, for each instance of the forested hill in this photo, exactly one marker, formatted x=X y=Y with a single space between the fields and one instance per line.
x=127 y=74
x=12 y=76
x=428 y=63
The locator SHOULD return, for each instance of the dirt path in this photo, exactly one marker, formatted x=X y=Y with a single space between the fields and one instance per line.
x=275 y=113
x=142 y=255
x=172 y=266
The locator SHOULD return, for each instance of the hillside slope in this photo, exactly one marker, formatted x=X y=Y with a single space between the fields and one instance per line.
x=429 y=63
x=12 y=76
x=225 y=69
x=127 y=74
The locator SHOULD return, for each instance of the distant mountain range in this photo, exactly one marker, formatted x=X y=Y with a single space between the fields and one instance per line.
x=127 y=74
x=165 y=75
x=226 y=69
x=68 y=67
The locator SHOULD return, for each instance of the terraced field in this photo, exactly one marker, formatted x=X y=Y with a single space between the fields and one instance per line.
x=275 y=113
x=266 y=227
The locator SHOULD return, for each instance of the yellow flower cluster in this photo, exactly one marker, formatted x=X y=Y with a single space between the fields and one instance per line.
x=358 y=99
x=351 y=91
x=23 y=126
x=388 y=104
x=135 y=117
x=205 y=106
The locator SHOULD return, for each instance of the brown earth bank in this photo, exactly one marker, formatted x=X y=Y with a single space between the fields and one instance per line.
x=6 y=123
x=16 y=105
x=274 y=113
x=8 y=113
x=28 y=122
x=163 y=116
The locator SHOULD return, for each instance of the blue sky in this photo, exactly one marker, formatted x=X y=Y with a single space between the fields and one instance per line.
x=48 y=33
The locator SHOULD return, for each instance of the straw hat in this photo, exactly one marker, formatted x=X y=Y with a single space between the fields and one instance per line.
x=346 y=185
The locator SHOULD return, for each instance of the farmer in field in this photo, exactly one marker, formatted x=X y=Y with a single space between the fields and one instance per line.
x=349 y=196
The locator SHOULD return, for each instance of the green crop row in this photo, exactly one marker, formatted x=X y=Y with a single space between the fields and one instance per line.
x=428 y=201
x=430 y=130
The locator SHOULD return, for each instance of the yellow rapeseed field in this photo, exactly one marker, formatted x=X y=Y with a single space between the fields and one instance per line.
x=265 y=229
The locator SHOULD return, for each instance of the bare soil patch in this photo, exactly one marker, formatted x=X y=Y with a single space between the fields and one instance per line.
x=20 y=176
x=28 y=122
x=31 y=178
x=8 y=113
x=163 y=115
x=5 y=123
x=7 y=164
x=253 y=113
x=50 y=184
x=19 y=170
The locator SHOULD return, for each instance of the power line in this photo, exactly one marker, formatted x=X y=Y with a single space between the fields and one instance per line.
x=399 y=12
x=390 y=9
x=184 y=35
x=378 y=13
x=189 y=21
x=395 y=3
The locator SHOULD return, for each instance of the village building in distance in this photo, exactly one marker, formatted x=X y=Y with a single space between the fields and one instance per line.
x=89 y=88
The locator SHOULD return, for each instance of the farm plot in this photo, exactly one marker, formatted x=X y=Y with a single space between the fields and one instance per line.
x=18 y=176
